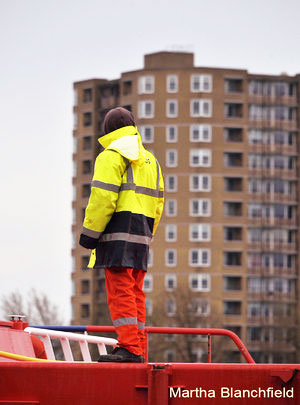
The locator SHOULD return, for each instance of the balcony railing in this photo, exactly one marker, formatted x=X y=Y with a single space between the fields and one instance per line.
x=273 y=246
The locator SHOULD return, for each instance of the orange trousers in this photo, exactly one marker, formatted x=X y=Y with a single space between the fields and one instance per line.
x=126 y=302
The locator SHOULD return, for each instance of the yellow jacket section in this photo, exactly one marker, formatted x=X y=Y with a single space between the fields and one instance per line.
x=110 y=168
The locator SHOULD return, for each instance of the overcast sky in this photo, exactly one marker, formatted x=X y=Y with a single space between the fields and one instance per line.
x=47 y=45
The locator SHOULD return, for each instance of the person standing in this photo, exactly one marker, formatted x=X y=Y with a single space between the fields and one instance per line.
x=122 y=215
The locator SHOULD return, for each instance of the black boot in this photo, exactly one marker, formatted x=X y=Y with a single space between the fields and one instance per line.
x=121 y=355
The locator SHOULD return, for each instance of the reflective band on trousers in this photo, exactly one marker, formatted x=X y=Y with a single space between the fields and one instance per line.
x=105 y=186
x=141 y=325
x=90 y=233
x=132 y=320
x=128 y=237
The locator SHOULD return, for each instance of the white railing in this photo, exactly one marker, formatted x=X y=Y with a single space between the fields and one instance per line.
x=66 y=337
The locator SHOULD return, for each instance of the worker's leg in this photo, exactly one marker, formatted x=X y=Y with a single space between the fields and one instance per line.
x=122 y=305
x=139 y=276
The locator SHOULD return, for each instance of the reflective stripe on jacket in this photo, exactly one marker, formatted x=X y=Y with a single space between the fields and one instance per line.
x=126 y=201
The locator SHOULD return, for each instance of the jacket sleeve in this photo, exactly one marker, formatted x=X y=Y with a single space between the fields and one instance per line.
x=109 y=169
x=160 y=202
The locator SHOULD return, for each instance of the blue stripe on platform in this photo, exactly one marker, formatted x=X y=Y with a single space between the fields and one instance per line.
x=75 y=328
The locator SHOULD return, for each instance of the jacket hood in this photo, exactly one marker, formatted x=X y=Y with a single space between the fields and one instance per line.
x=126 y=141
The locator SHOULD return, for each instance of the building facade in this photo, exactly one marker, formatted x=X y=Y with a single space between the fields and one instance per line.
x=226 y=250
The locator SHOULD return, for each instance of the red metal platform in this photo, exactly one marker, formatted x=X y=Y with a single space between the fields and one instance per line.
x=79 y=383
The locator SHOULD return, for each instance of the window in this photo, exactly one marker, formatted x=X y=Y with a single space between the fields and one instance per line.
x=200 y=133
x=149 y=306
x=100 y=286
x=200 y=182
x=85 y=310
x=171 y=133
x=199 y=257
x=171 y=158
x=232 y=307
x=75 y=96
x=232 y=258
x=75 y=145
x=87 y=119
x=127 y=87
x=201 y=83
x=171 y=233
x=146 y=84
x=170 y=304
x=171 y=257
x=200 y=232
x=147 y=133
x=201 y=108
x=233 y=159
x=150 y=258
x=200 y=157
x=75 y=120
x=146 y=109
x=199 y=282
x=171 y=183
x=172 y=83
x=87 y=143
x=86 y=190
x=233 y=233
x=87 y=95
x=234 y=184
x=171 y=208
x=170 y=356
x=86 y=166
x=74 y=168
x=74 y=214
x=84 y=263
x=233 y=110
x=148 y=283
x=172 y=108
x=85 y=287
x=200 y=207
x=170 y=282
x=195 y=83
x=199 y=306
x=206 y=83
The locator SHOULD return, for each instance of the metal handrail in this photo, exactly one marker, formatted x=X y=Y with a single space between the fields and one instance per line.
x=168 y=330
x=65 y=338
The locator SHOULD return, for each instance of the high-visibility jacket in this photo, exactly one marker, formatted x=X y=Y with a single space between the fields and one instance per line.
x=126 y=201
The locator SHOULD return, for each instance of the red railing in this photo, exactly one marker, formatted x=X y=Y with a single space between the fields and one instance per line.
x=209 y=332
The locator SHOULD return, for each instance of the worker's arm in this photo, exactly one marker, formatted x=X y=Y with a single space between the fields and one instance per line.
x=107 y=179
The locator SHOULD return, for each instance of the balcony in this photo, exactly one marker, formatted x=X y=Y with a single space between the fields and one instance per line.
x=284 y=125
x=257 y=197
x=232 y=308
x=233 y=159
x=272 y=296
x=253 y=270
x=108 y=102
x=272 y=173
x=273 y=246
x=233 y=184
x=272 y=149
x=273 y=99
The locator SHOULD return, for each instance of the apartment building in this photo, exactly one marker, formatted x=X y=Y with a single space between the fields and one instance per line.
x=227 y=246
